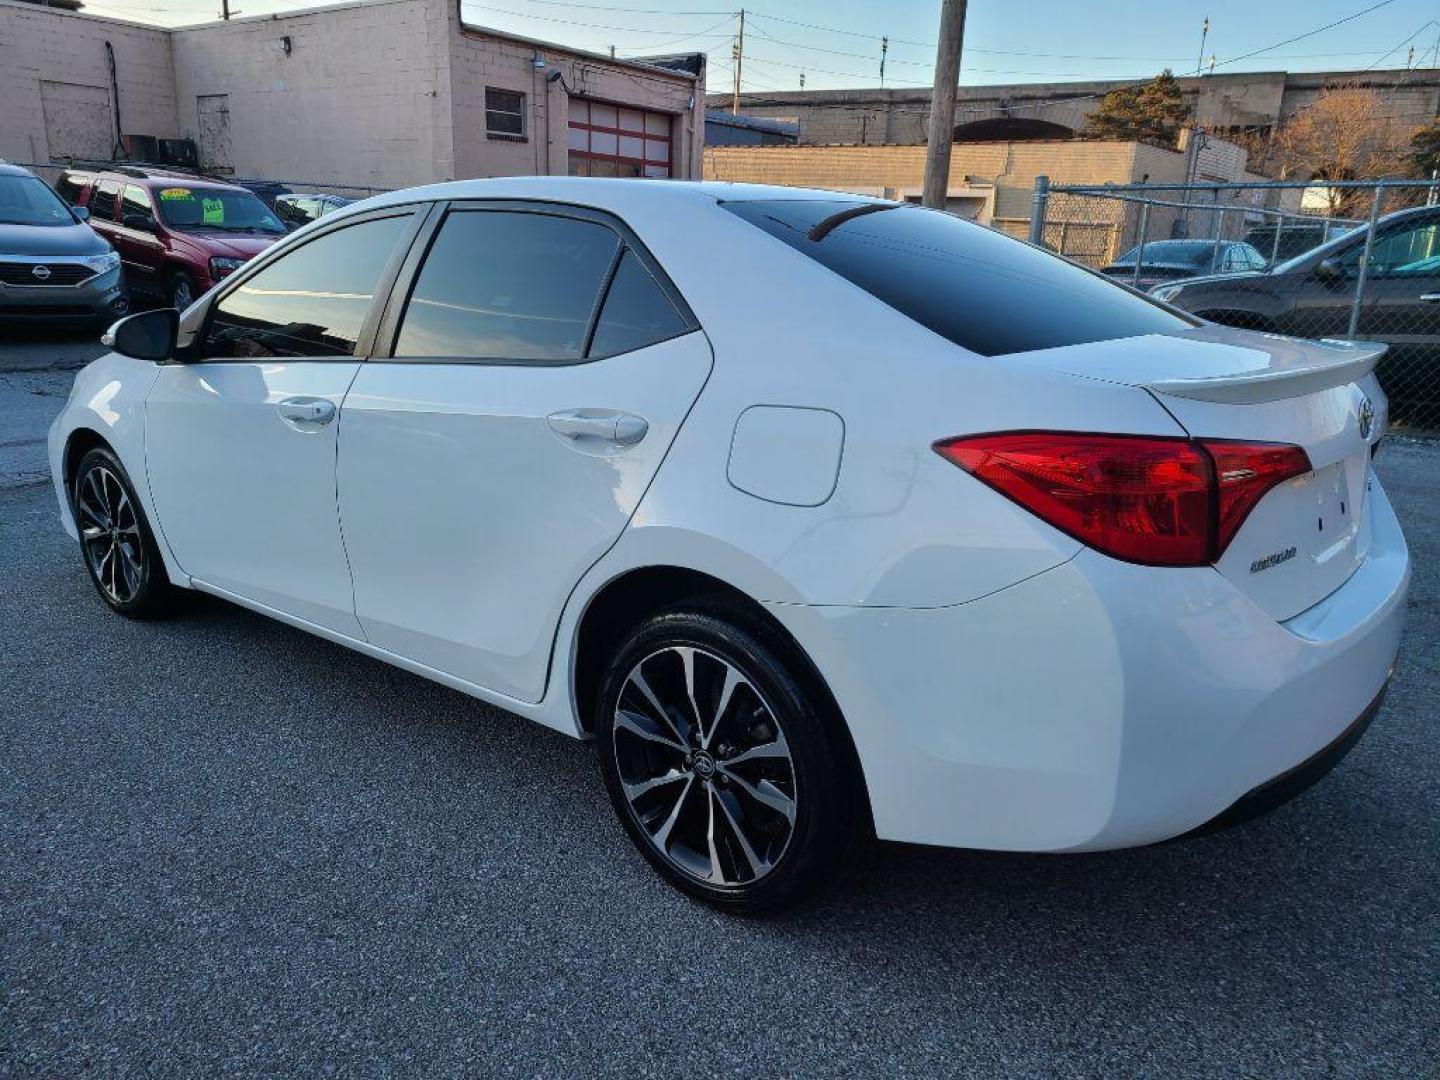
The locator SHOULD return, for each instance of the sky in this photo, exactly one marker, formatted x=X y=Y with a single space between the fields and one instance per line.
x=837 y=43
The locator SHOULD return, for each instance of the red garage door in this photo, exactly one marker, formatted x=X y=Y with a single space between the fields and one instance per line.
x=609 y=140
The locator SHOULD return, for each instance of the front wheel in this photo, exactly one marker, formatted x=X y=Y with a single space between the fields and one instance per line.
x=179 y=291
x=115 y=539
x=724 y=764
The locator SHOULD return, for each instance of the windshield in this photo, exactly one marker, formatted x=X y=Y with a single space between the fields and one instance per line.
x=1175 y=252
x=26 y=200
x=981 y=289
x=217 y=209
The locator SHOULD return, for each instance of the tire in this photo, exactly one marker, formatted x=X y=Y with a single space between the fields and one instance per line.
x=179 y=291
x=757 y=812
x=121 y=557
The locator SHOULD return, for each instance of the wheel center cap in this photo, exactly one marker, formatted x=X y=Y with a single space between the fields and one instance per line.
x=703 y=764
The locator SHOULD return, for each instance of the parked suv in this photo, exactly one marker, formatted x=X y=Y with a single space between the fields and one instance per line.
x=1311 y=296
x=177 y=234
x=52 y=264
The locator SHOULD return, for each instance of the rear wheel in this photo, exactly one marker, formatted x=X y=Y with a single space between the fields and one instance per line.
x=725 y=768
x=115 y=539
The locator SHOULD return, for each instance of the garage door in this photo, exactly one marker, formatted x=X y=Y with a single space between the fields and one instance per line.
x=77 y=120
x=610 y=140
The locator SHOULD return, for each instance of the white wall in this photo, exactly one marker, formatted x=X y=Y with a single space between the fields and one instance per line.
x=380 y=93
x=363 y=97
x=66 y=50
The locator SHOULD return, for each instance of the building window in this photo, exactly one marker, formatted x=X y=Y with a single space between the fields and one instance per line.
x=609 y=140
x=504 y=113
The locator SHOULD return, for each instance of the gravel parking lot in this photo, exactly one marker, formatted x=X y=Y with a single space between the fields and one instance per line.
x=229 y=847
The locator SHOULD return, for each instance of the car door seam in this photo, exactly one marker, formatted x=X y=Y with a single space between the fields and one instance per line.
x=339 y=513
x=640 y=501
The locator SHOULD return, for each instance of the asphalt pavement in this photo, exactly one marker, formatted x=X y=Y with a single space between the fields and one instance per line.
x=227 y=847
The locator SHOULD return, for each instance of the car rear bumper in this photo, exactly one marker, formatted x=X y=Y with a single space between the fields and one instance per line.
x=1279 y=790
x=102 y=296
x=1099 y=704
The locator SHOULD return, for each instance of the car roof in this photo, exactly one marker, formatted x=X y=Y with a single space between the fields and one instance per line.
x=6 y=169
x=152 y=178
x=164 y=180
x=605 y=192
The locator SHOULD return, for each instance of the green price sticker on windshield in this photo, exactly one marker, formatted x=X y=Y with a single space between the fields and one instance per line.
x=212 y=211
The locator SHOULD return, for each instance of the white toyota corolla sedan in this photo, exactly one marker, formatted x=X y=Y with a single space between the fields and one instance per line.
x=821 y=515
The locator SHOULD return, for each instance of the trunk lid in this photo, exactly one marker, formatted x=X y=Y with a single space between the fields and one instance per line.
x=1307 y=535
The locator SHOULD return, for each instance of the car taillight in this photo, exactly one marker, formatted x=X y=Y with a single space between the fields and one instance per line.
x=1156 y=500
x=1245 y=471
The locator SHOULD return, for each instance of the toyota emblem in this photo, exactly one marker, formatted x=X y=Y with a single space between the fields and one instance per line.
x=41 y=272
x=1367 y=418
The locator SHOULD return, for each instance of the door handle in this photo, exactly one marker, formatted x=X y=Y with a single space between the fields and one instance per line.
x=1430 y=298
x=619 y=429
x=307 y=410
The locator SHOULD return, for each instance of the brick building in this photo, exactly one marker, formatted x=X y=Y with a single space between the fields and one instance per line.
x=993 y=182
x=380 y=93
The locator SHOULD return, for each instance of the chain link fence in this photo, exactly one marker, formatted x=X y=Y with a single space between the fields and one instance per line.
x=1355 y=260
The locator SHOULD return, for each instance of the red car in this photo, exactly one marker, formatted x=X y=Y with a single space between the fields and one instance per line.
x=177 y=235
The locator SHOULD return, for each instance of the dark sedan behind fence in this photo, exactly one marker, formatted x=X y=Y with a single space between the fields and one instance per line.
x=1354 y=260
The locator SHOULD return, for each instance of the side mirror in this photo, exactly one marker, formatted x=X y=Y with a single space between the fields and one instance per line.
x=150 y=335
x=143 y=222
x=1329 y=270
x=82 y=214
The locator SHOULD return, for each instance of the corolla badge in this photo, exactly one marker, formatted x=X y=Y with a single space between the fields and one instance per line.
x=1367 y=418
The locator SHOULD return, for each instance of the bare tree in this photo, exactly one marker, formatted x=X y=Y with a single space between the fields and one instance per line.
x=1347 y=133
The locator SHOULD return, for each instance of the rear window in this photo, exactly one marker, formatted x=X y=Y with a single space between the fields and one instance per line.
x=979 y=288
x=71 y=186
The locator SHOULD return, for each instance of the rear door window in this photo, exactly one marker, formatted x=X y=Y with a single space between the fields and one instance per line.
x=102 y=200
x=71 y=187
x=636 y=313
x=982 y=290
x=508 y=285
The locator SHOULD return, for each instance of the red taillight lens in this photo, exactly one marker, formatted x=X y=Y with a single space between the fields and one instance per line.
x=1146 y=499
x=1246 y=471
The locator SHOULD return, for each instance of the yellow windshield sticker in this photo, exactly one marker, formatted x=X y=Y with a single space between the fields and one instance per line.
x=171 y=193
x=213 y=211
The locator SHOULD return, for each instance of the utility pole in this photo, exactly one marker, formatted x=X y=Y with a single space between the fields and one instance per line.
x=942 y=103
x=225 y=10
x=1204 y=33
x=739 y=62
x=884 y=48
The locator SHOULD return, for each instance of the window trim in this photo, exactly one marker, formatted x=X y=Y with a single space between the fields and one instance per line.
x=388 y=331
x=508 y=136
x=418 y=212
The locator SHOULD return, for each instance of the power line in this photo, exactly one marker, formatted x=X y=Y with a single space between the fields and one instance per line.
x=575 y=22
x=1308 y=33
x=1423 y=27
x=626 y=10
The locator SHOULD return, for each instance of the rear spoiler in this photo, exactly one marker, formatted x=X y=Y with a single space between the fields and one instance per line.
x=1316 y=373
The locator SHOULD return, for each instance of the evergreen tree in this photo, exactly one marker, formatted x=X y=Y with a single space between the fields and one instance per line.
x=1425 y=150
x=1152 y=112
